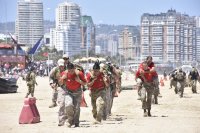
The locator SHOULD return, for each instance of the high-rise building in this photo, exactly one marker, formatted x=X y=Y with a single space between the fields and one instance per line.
x=112 y=45
x=87 y=34
x=197 y=18
x=128 y=45
x=66 y=36
x=102 y=41
x=168 y=37
x=29 y=22
x=198 y=44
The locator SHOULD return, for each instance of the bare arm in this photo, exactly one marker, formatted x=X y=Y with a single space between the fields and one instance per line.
x=153 y=69
x=105 y=80
x=89 y=84
x=80 y=81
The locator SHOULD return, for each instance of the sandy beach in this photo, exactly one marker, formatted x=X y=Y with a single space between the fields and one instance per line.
x=171 y=115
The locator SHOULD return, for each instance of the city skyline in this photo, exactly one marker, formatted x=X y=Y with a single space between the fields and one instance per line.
x=103 y=12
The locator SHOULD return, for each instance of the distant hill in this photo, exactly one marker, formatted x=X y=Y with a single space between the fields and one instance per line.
x=100 y=29
x=10 y=26
x=109 y=29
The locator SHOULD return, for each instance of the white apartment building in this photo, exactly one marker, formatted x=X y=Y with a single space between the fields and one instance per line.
x=168 y=37
x=197 y=18
x=66 y=36
x=198 y=44
x=128 y=45
x=29 y=22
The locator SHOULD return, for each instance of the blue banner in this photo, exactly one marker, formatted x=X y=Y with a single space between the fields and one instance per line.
x=36 y=46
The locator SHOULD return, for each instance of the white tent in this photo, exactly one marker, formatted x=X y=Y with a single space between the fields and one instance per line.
x=76 y=61
x=101 y=59
x=92 y=59
x=83 y=59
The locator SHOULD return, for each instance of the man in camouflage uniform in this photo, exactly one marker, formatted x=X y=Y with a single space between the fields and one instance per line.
x=97 y=84
x=152 y=69
x=70 y=95
x=117 y=73
x=107 y=106
x=113 y=76
x=194 y=77
x=112 y=84
x=173 y=80
x=31 y=82
x=145 y=84
x=53 y=81
x=180 y=75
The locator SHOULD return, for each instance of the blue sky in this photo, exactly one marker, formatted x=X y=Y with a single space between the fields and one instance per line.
x=109 y=11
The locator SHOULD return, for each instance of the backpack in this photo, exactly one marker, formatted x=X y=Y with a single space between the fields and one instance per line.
x=56 y=73
x=28 y=76
x=79 y=68
x=180 y=76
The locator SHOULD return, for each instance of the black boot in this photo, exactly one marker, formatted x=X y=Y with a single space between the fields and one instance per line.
x=149 y=112
x=145 y=113
x=156 y=99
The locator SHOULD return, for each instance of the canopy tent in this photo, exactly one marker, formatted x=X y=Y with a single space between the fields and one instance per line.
x=76 y=61
x=84 y=59
x=89 y=59
x=92 y=59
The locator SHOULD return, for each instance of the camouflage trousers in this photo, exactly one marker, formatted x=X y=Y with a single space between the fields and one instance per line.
x=172 y=83
x=69 y=105
x=180 y=87
x=107 y=108
x=118 y=85
x=54 y=95
x=149 y=90
x=98 y=100
x=156 y=86
x=194 y=85
x=31 y=89
x=112 y=95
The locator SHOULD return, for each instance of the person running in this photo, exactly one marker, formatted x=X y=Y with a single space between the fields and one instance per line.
x=194 y=77
x=72 y=79
x=152 y=69
x=180 y=76
x=31 y=82
x=53 y=81
x=97 y=84
x=144 y=78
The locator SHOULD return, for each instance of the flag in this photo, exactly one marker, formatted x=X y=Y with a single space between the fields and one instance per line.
x=15 y=42
x=36 y=46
